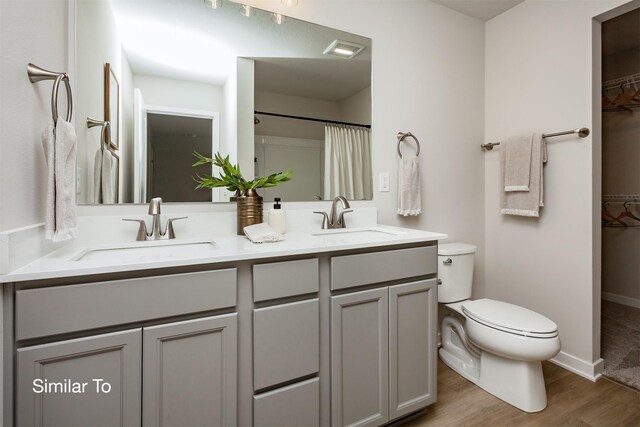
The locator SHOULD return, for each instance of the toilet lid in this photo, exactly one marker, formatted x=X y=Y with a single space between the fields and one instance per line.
x=510 y=318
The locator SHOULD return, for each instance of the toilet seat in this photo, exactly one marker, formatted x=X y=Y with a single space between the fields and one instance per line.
x=509 y=318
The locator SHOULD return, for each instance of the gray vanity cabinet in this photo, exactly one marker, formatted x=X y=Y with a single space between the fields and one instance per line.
x=382 y=353
x=383 y=340
x=113 y=358
x=189 y=373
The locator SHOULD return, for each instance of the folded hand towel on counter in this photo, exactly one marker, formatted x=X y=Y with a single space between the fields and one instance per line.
x=517 y=162
x=409 y=199
x=48 y=143
x=526 y=203
x=60 y=145
x=262 y=233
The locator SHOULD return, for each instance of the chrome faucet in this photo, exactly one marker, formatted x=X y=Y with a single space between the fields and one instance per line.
x=330 y=222
x=156 y=229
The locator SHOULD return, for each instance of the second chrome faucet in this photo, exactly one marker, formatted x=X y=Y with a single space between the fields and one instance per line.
x=335 y=221
x=156 y=228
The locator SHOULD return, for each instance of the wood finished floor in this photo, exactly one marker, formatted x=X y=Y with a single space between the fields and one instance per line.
x=572 y=401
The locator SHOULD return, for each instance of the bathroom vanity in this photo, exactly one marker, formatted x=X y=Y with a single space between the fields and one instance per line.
x=326 y=329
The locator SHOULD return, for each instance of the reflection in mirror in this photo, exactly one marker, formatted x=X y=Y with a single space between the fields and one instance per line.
x=191 y=78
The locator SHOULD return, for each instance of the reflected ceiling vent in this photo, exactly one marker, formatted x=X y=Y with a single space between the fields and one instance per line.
x=343 y=49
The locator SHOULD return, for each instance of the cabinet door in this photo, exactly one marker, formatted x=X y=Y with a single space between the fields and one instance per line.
x=412 y=346
x=359 y=358
x=190 y=373
x=57 y=382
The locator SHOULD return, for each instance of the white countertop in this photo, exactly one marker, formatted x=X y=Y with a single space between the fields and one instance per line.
x=62 y=263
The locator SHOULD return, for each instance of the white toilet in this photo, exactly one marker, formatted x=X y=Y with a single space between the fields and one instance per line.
x=496 y=345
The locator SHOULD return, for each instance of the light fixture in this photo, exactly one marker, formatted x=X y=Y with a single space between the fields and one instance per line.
x=343 y=49
x=246 y=10
x=215 y=4
x=290 y=3
x=278 y=18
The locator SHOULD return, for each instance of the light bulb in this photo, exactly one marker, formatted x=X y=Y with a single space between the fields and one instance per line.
x=246 y=10
x=215 y=4
x=278 y=18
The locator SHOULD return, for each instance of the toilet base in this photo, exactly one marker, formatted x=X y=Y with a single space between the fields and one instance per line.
x=520 y=384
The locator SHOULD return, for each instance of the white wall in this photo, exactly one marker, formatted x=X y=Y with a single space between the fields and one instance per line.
x=296 y=106
x=29 y=32
x=245 y=102
x=161 y=91
x=539 y=78
x=357 y=107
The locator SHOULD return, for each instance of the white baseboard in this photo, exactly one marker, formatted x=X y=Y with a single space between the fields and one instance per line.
x=621 y=299
x=590 y=371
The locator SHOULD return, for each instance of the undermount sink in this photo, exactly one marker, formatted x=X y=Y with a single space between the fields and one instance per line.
x=148 y=251
x=357 y=233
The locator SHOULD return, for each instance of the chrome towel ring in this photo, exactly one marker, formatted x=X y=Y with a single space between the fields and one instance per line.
x=37 y=74
x=402 y=136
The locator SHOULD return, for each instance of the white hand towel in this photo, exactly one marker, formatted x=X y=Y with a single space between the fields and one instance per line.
x=48 y=143
x=527 y=203
x=517 y=162
x=262 y=233
x=97 y=177
x=65 y=178
x=108 y=181
x=409 y=199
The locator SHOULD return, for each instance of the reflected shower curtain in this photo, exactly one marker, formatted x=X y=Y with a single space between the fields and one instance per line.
x=347 y=162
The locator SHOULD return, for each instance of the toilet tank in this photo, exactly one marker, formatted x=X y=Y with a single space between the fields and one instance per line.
x=455 y=271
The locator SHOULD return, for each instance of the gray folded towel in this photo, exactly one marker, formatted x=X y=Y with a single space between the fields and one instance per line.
x=527 y=203
x=517 y=162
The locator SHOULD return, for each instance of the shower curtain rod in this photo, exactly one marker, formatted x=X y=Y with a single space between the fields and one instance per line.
x=311 y=119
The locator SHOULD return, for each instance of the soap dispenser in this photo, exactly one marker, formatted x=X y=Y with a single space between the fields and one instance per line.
x=278 y=217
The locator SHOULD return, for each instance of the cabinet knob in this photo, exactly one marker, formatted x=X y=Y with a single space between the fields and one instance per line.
x=447 y=261
x=439 y=282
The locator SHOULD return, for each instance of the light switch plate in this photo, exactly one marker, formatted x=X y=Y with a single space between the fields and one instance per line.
x=383 y=183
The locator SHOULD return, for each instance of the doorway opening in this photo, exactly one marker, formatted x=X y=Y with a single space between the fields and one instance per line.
x=620 y=243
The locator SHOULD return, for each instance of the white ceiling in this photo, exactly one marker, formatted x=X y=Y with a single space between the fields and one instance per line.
x=186 y=39
x=481 y=9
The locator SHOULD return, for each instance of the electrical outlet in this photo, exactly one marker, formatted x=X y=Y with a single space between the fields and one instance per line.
x=383 y=184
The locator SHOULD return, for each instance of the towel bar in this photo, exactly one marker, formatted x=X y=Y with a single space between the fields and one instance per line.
x=37 y=74
x=582 y=133
x=402 y=136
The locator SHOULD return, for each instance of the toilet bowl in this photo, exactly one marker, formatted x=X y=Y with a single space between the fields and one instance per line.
x=496 y=345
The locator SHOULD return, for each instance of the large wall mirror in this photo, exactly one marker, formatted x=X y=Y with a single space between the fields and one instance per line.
x=271 y=92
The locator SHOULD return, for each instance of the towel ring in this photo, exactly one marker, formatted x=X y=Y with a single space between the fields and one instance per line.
x=402 y=136
x=37 y=74
x=54 y=97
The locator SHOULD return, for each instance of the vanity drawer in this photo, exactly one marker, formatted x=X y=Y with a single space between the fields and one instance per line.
x=285 y=279
x=377 y=267
x=62 y=309
x=295 y=405
x=286 y=343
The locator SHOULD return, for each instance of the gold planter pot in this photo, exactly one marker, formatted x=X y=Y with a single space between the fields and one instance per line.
x=249 y=210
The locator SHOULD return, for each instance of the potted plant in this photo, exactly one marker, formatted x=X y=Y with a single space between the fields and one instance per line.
x=249 y=202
